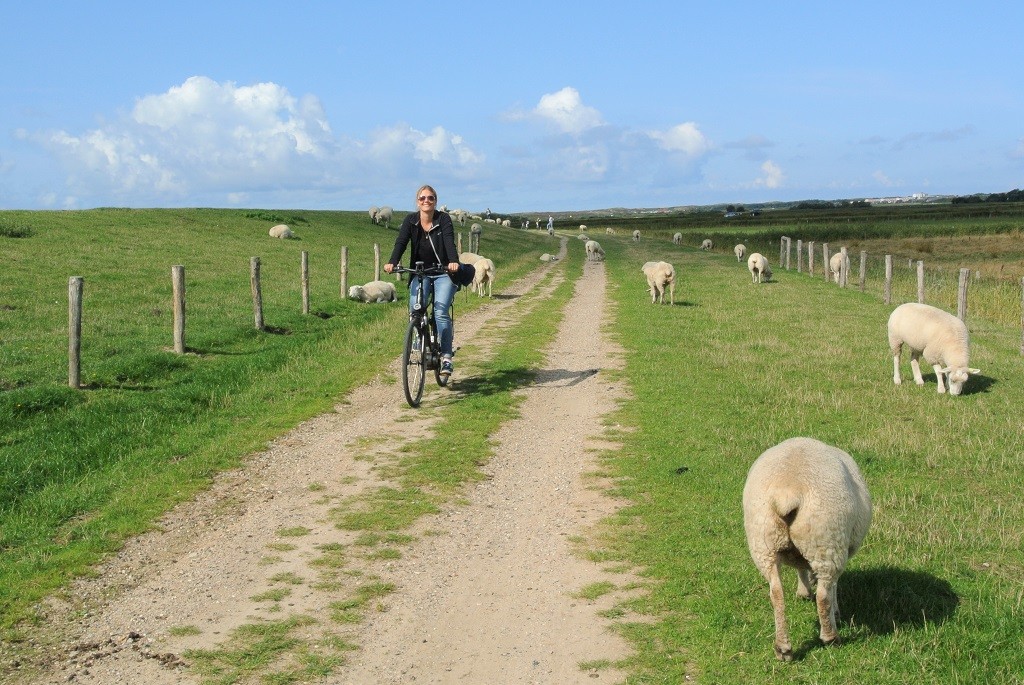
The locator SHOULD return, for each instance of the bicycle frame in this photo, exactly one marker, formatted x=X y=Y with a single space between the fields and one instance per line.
x=422 y=351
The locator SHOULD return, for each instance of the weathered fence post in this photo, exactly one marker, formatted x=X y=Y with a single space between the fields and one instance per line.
x=75 y=286
x=1022 y=316
x=782 y=251
x=810 y=258
x=178 y=289
x=257 y=292
x=844 y=267
x=305 y=282
x=458 y=243
x=344 y=272
x=376 y=261
x=920 y=281
x=888 y=279
x=789 y=251
x=825 y=260
x=961 y=294
x=799 y=256
x=863 y=269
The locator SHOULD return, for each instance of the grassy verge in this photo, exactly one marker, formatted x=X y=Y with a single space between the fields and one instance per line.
x=733 y=368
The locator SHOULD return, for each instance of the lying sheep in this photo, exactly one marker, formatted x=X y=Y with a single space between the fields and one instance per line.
x=384 y=217
x=938 y=336
x=739 y=251
x=659 y=275
x=835 y=264
x=281 y=231
x=805 y=504
x=759 y=269
x=484 y=275
x=374 y=291
x=677 y=238
x=583 y=236
x=706 y=244
x=636 y=236
x=548 y=258
x=595 y=252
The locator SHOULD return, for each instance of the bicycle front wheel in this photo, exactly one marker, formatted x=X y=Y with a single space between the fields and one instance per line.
x=413 y=372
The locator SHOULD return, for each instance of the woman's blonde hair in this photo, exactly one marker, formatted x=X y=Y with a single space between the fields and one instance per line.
x=426 y=187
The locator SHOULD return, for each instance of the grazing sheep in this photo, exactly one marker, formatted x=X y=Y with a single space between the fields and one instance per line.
x=595 y=252
x=583 y=227
x=759 y=269
x=507 y=223
x=373 y=214
x=475 y=229
x=677 y=238
x=706 y=244
x=281 y=231
x=610 y=230
x=374 y=291
x=836 y=263
x=484 y=275
x=739 y=251
x=636 y=236
x=384 y=216
x=938 y=336
x=805 y=504
x=659 y=275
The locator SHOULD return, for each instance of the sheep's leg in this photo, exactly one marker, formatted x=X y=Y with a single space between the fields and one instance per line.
x=896 y=378
x=672 y=293
x=940 y=377
x=827 y=610
x=804 y=584
x=915 y=366
x=783 y=648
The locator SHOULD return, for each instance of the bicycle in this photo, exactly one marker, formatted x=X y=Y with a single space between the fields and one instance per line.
x=422 y=351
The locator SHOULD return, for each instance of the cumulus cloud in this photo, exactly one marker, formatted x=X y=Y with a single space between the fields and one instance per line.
x=683 y=138
x=565 y=109
x=771 y=176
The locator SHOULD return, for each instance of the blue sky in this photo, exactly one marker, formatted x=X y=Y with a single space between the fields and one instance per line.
x=517 y=107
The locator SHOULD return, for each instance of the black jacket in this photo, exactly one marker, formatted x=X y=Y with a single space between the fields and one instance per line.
x=445 y=244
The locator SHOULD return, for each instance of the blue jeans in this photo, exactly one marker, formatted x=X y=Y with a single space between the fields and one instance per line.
x=444 y=292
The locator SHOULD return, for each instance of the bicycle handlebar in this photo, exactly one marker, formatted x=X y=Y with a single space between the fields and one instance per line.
x=421 y=271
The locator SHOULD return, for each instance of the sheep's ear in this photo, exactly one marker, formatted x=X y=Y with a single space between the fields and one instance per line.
x=974 y=371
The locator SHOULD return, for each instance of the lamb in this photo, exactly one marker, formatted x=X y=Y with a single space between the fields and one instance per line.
x=384 y=216
x=836 y=263
x=636 y=236
x=759 y=269
x=659 y=275
x=739 y=251
x=677 y=238
x=484 y=275
x=805 y=504
x=937 y=335
x=595 y=252
x=281 y=231
x=706 y=244
x=374 y=291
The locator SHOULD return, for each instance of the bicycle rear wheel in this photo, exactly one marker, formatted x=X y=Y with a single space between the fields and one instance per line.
x=413 y=372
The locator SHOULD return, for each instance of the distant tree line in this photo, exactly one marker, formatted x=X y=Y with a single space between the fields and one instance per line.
x=978 y=198
x=831 y=204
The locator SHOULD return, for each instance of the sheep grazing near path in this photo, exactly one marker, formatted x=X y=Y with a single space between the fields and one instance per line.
x=374 y=291
x=835 y=263
x=805 y=504
x=740 y=250
x=583 y=227
x=373 y=214
x=484 y=275
x=706 y=244
x=938 y=336
x=281 y=231
x=759 y=269
x=636 y=236
x=677 y=238
x=595 y=252
x=660 y=275
x=469 y=258
x=384 y=217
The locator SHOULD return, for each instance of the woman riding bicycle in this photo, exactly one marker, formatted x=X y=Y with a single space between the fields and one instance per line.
x=433 y=243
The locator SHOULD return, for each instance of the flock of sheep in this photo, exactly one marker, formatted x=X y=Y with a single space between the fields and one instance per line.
x=805 y=503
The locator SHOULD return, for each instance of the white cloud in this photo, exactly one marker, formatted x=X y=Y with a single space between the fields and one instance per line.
x=771 y=176
x=882 y=179
x=565 y=109
x=683 y=138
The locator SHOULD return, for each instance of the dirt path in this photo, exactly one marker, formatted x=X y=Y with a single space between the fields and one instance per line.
x=486 y=592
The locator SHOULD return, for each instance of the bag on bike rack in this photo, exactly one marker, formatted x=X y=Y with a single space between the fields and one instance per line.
x=463 y=276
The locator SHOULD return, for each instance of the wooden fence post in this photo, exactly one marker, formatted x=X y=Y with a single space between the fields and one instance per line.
x=844 y=267
x=257 y=292
x=789 y=251
x=305 y=282
x=810 y=258
x=1022 y=316
x=458 y=243
x=782 y=251
x=344 y=272
x=178 y=289
x=863 y=269
x=75 y=286
x=920 y=281
x=888 y=279
x=961 y=294
x=376 y=261
x=799 y=256
x=825 y=260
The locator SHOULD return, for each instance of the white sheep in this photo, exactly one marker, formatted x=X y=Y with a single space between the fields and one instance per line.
x=805 y=504
x=759 y=269
x=551 y=231
x=583 y=236
x=483 y=275
x=835 y=263
x=706 y=244
x=507 y=223
x=636 y=236
x=610 y=230
x=281 y=231
x=677 y=238
x=740 y=250
x=374 y=291
x=475 y=229
x=469 y=257
x=384 y=216
x=659 y=276
x=583 y=227
x=938 y=336
x=595 y=252
x=373 y=214
x=548 y=258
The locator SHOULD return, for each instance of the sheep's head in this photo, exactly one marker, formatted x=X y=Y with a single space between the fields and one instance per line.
x=957 y=378
x=355 y=292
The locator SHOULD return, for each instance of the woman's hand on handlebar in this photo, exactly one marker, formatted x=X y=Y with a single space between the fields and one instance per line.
x=453 y=267
x=388 y=268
